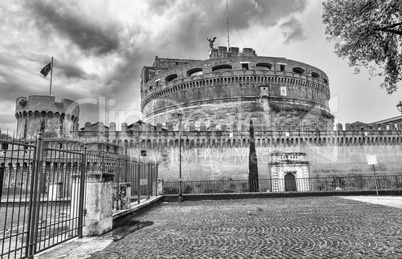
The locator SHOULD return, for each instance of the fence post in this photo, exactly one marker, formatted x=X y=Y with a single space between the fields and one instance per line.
x=99 y=189
x=82 y=193
x=34 y=203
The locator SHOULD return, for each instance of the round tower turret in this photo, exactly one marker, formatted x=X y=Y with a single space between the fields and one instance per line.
x=42 y=113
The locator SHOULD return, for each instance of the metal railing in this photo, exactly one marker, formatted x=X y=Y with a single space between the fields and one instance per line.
x=321 y=184
x=41 y=197
x=42 y=191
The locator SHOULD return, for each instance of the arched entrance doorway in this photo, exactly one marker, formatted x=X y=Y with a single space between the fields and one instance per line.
x=290 y=183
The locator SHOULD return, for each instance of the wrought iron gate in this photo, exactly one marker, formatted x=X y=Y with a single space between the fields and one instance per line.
x=42 y=197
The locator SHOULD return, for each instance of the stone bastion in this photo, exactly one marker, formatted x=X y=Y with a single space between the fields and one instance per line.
x=233 y=88
x=42 y=113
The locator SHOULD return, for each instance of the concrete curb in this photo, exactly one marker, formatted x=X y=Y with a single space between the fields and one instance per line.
x=120 y=216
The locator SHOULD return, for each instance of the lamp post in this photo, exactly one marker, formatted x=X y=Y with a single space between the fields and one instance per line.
x=180 y=117
x=399 y=106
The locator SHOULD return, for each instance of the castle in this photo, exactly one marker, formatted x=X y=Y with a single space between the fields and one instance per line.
x=287 y=101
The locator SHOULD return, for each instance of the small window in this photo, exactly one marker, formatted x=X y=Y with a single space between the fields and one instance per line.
x=194 y=72
x=315 y=75
x=282 y=67
x=263 y=66
x=170 y=78
x=298 y=70
x=325 y=81
x=244 y=66
x=222 y=68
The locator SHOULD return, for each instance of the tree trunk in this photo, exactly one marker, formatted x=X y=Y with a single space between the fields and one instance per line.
x=252 y=163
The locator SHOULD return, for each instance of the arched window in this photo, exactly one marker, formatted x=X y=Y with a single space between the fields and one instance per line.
x=194 y=72
x=263 y=66
x=315 y=75
x=298 y=70
x=222 y=68
x=170 y=78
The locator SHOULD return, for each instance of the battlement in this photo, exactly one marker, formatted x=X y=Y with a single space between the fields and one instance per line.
x=147 y=136
x=359 y=129
x=222 y=52
x=47 y=104
x=41 y=113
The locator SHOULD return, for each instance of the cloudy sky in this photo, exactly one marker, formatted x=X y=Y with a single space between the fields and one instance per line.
x=100 y=46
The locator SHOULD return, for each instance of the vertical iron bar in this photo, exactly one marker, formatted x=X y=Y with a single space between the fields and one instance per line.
x=82 y=190
x=375 y=180
x=11 y=204
x=148 y=178
x=151 y=183
x=46 y=201
x=58 y=174
x=6 y=213
x=32 y=166
x=19 y=171
x=138 y=183
x=26 y=180
x=60 y=206
x=125 y=170
x=156 y=178
x=2 y=169
x=118 y=184
x=34 y=193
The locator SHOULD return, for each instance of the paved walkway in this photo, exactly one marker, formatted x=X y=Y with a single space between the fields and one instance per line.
x=391 y=201
x=311 y=227
x=304 y=227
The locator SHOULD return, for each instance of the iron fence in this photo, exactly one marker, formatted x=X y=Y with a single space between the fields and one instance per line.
x=17 y=167
x=38 y=208
x=321 y=184
x=42 y=191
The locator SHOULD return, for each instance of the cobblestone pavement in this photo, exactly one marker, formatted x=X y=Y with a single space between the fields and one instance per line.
x=309 y=227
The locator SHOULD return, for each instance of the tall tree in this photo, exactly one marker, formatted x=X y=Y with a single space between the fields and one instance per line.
x=369 y=34
x=252 y=163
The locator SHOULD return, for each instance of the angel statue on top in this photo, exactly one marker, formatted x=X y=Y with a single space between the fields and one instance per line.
x=211 y=42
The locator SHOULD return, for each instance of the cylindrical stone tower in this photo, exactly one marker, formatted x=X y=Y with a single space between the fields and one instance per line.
x=232 y=88
x=42 y=113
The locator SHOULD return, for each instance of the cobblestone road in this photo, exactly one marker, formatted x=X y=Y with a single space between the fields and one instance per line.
x=316 y=227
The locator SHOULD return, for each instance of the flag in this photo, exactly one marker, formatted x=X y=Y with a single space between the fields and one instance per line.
x=46 y=69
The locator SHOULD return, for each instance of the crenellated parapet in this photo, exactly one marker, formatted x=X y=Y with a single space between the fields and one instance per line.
x=42 y=113
x=221 y=136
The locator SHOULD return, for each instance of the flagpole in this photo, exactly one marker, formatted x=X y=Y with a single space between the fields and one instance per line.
x=51 y=77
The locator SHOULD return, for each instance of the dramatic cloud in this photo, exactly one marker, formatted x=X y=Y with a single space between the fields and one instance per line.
x=292 y=30
x=90 y=33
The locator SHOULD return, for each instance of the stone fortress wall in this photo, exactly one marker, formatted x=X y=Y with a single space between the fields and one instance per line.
x=221 y=154
x=43 y=112
x=232 y=88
